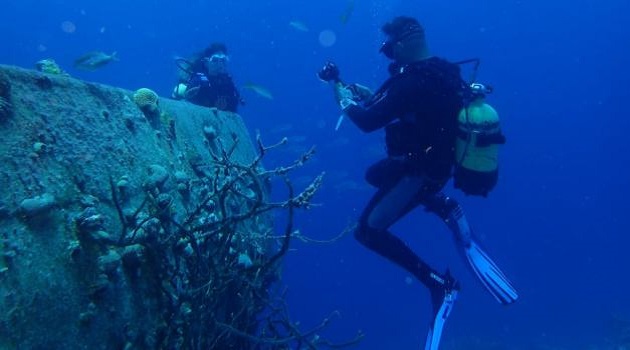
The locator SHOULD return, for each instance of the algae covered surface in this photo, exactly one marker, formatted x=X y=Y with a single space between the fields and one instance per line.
x=128 y=227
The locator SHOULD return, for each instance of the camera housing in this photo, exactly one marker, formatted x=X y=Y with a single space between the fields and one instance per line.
x=330 y=72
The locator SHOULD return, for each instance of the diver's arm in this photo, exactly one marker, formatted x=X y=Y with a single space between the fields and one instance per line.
x=384 y=107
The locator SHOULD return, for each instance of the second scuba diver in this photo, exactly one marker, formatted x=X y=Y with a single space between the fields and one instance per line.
x=205 y=80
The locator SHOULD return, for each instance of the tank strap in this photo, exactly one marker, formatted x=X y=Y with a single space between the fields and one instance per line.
x=483 y=139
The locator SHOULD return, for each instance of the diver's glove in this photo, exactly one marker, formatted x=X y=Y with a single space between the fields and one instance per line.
x=344 y=96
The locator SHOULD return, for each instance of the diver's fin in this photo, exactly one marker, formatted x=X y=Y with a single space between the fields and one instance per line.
x=442 y=311
x=490 y=275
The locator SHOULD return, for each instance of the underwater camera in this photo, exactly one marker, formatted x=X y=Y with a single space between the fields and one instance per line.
x=330 y=72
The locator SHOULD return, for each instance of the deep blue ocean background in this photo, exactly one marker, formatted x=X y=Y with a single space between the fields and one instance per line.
x=556 y=223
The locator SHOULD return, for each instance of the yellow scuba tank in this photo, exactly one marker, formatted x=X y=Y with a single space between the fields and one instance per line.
x=477 y=145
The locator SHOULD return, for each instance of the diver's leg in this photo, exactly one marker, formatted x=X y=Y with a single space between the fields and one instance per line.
x=386 y=207
x=452 y=214
x=482 y=265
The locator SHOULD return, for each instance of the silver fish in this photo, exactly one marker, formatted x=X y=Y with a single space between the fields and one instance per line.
x=347 y=12
x=299 y=25
x=94 y=60
x=260 y=90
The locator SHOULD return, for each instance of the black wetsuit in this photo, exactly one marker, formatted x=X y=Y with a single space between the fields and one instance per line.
x=214 y=91
x=418 y=108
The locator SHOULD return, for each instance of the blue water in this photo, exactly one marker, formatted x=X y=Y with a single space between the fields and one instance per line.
x=555 y=223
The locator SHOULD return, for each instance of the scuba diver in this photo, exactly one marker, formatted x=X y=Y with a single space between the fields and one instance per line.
x=205 y=81
x=420 y=107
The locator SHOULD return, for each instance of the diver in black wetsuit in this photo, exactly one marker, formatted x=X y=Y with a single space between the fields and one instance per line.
x=418 y=107
x=206 y=82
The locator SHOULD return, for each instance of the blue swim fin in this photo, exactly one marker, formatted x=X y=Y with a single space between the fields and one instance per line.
x=443 y=302
x=489 y=274
x=484 y=268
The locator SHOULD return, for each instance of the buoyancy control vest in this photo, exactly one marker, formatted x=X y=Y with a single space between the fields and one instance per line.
x=477 y=144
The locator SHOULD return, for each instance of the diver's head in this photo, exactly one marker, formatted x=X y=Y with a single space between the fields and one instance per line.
x=405 y=42
x=215 y=59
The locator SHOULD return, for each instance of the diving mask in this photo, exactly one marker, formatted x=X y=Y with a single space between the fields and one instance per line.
x=217 y=63
x=387 y=48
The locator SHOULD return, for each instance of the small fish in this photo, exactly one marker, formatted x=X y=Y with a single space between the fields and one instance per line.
x=94 y=60
x=345 y=15
x=260 y=90
x=299 y=26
